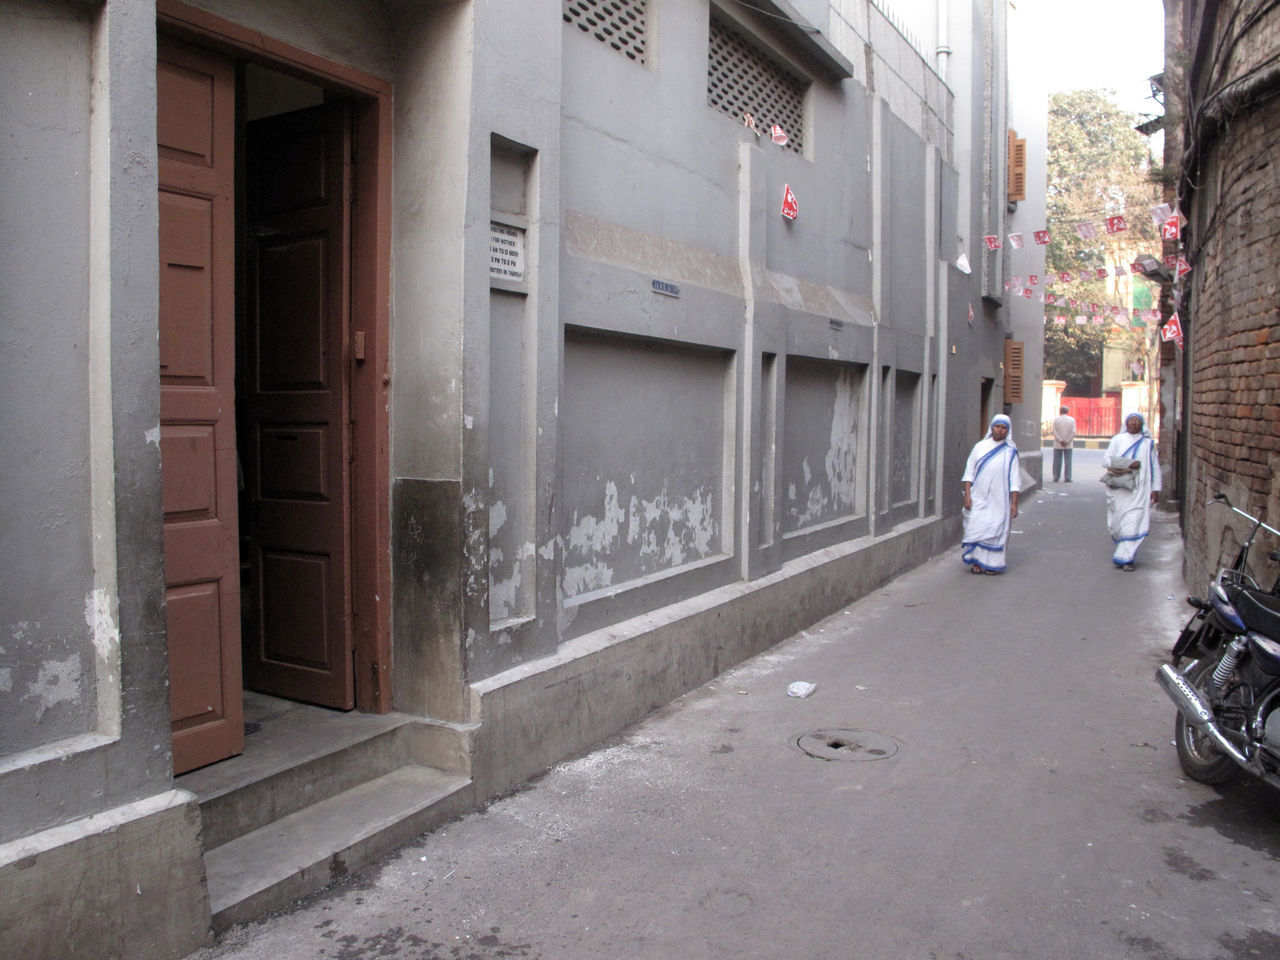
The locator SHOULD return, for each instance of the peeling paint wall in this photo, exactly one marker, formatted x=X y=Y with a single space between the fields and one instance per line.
x=47 y=670
x=824 y=463
x=644 y=453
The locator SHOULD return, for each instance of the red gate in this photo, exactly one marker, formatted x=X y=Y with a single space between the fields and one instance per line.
x=1094 y=416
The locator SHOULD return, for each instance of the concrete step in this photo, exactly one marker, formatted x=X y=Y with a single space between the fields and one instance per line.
x=276 y=864
x=259 y=788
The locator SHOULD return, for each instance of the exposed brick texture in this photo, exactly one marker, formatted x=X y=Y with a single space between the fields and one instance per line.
x=1233 y=438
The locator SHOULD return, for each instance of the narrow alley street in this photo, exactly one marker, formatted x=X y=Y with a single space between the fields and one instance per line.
x=995 y=780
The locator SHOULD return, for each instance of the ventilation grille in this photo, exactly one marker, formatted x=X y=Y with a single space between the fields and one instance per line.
x=741 y=80
x=619 y=23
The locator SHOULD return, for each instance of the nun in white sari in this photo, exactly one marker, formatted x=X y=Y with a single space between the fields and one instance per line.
x=1131 y=452
x=991 y=484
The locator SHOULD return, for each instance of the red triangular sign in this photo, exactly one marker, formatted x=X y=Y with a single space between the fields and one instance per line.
x=790 y=207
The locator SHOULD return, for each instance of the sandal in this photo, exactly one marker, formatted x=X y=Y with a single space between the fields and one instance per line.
x=975 y=569
x=1127 y=566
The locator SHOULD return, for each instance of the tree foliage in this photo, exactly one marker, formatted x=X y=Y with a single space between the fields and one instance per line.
x=1099 y=166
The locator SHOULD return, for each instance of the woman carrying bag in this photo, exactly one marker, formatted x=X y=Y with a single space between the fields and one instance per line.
x=1133 y=484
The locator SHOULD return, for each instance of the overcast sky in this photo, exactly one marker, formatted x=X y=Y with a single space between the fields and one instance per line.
x=1082 y=44
x=1109 y=44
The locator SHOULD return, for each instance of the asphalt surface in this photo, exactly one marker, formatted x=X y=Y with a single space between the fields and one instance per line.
x=1003 y=785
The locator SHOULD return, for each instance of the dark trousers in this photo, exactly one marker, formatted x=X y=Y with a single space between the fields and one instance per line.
x=1061 y=458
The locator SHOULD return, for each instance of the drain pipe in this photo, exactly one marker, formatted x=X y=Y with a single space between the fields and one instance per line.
x=944 y=39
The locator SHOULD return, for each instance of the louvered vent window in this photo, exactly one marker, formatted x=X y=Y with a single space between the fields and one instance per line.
x=619 y=23
x=742 y=81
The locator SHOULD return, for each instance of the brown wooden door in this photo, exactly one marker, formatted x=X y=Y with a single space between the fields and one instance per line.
x=196 y=140
x=294 y=408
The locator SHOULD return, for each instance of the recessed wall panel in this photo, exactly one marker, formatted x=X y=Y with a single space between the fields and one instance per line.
x=643 y=424
x=823 y=476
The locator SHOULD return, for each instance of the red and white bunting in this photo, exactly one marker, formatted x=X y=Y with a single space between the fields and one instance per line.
x=1042 y=237
x=1015 y=241
x=1171 y=229
x=778 y=135
x=1160 y=213
x=1172 y=329
x=1034 y=279
x=1116 y=224
x=1183 y=268
x=1100 y=273
x=992 y=242
x=1086 y=230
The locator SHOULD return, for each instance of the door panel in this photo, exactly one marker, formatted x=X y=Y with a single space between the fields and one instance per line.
x=294 y=408
x=196 y=141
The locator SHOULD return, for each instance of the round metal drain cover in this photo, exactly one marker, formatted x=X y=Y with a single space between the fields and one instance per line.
x=847 y=745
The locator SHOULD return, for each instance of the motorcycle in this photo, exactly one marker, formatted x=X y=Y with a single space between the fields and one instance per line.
x=1228 y=694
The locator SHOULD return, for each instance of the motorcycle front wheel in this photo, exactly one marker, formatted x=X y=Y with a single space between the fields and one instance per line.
x=1200 y=759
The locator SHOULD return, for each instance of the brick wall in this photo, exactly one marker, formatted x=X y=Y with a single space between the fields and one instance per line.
x=1233 y=438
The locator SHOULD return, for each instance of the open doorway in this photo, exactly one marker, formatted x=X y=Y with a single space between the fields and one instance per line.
x=267 y=334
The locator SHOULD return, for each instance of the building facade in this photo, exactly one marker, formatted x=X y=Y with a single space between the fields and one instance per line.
x=1223 y=85
x=480 y=375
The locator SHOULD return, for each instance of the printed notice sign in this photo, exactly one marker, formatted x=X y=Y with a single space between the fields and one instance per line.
x=506 y=252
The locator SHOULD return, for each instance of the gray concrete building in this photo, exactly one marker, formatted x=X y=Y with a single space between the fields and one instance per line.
x=439 y=387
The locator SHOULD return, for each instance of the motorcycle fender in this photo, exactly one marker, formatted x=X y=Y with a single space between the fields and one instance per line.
x=1197 y=635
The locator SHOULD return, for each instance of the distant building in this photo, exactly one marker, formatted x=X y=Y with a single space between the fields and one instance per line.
x=488 y=374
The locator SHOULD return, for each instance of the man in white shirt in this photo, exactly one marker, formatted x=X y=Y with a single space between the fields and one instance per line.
x=1064 y=434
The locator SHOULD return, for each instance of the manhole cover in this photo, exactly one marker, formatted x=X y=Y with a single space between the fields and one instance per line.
x=847 y=745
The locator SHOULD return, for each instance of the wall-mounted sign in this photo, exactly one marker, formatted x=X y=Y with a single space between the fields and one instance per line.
x=664 y=287
x=790 y=206
x=506 y=252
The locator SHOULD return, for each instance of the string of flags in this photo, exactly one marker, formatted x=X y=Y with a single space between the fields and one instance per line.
x=1168 y=220
x=1170 y=223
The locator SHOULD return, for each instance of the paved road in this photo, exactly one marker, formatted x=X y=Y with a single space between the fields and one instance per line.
x=1011 y=791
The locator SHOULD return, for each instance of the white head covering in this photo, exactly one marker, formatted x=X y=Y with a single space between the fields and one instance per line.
x=1141 y=419
x=1008 y=425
